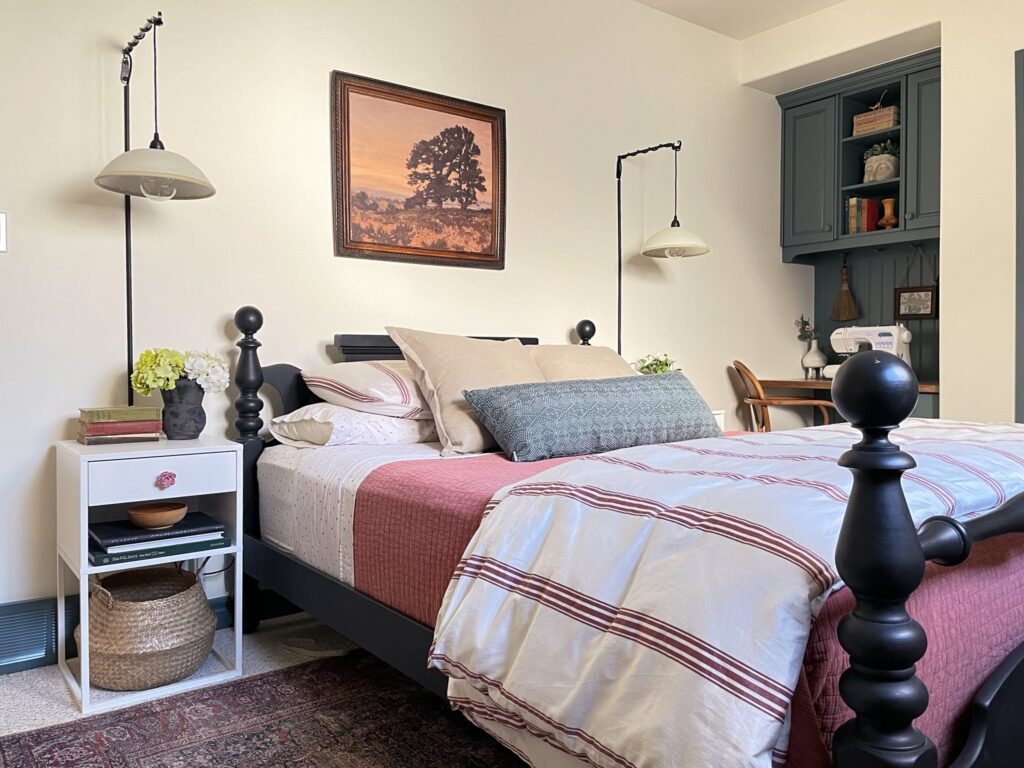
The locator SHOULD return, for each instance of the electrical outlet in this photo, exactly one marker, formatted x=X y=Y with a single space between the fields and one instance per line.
x=3 y=232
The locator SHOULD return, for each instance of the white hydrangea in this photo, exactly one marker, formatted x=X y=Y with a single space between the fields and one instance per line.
x=210 y=371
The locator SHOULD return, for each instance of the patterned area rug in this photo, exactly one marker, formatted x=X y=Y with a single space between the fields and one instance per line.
x=344 y=712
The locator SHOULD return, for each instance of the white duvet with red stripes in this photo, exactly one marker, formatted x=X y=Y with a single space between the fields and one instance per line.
x=650 y=607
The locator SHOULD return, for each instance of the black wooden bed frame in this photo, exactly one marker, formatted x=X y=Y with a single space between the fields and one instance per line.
x=880 y=556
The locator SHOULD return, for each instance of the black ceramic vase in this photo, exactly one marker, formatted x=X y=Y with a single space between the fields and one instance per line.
x=184 y=417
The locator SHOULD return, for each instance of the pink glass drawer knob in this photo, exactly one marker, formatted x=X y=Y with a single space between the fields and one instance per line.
x=165 y=480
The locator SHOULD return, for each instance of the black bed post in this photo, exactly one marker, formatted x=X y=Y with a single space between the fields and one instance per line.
x=880 y=559
x=249 y=379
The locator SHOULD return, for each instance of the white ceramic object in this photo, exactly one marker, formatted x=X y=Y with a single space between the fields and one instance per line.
x=881 y=168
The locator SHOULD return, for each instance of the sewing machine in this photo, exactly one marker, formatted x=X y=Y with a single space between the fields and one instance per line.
x=852 y=339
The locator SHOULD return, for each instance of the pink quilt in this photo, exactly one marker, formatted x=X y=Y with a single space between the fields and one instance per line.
x=414 y=519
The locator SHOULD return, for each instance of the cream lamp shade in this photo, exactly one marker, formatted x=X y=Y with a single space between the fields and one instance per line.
x=674 y=242
x=156 y=174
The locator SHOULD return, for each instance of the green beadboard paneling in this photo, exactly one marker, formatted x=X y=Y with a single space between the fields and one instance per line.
x=874 y=277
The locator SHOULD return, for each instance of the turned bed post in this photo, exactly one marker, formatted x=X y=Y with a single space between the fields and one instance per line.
x=881 y=560
x=249 y=379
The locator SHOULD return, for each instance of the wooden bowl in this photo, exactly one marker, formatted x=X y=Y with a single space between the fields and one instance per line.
x=154 y=517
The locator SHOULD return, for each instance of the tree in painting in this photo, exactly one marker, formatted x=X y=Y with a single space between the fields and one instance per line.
x=445 y=168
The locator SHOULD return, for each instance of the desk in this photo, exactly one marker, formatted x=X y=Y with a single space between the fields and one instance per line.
x=925 y=387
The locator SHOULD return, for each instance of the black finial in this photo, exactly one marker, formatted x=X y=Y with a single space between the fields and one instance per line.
x=874 y=389
x=879 y=557
x=585 y=329
x=248 y=320
x=248 y=376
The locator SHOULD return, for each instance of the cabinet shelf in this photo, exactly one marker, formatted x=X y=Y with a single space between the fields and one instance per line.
x=874 y=186
x=874 y=137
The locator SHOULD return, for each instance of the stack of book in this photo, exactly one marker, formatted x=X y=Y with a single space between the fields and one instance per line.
x=862 y=214
x=118 y=424
x=123 y=542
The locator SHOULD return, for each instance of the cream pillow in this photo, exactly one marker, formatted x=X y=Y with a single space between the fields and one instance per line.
x=322 y=424
x=567 y=362
x=385 y=387
x=444 y=366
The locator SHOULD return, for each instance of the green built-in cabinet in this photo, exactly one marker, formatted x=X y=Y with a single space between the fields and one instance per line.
x=823 y=166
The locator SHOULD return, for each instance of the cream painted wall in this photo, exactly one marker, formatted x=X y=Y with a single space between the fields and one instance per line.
x=244 y=94
x=978 y=154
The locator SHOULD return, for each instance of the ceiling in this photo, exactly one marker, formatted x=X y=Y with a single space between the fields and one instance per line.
x=739 y=19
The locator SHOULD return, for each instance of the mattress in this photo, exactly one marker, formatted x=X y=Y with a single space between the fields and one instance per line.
x=393 y=521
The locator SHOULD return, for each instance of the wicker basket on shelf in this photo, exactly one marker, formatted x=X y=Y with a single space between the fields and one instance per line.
x=147 y=628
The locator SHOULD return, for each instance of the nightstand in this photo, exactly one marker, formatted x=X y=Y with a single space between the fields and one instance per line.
x=719 y=419
x=97 y=483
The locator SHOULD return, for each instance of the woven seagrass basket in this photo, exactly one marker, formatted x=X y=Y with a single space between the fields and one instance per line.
x=147 y=628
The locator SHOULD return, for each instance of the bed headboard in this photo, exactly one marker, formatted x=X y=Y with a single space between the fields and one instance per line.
x=356 y=347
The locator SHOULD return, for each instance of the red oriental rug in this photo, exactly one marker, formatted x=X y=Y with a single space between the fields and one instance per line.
x=344 y=712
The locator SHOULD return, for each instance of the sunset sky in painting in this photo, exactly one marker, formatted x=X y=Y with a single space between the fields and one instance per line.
x=381 y=134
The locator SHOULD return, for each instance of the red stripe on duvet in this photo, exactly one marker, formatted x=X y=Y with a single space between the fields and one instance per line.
x=490 y=682
x=831 y=491
x=709 y=662
x=984 y=477
x=733 y=528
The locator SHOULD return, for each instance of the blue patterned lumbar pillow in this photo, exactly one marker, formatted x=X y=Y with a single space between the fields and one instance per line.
x=575 y=418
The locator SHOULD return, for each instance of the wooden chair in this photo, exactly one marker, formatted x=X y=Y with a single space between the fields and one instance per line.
x=759 y=402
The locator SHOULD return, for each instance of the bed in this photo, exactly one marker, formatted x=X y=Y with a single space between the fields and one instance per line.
x=386 y=591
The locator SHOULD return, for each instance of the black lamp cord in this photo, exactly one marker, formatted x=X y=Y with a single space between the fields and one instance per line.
x=155 y=143
x=675 y=146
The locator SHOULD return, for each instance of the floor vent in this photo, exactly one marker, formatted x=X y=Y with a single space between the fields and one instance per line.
x=28 y=633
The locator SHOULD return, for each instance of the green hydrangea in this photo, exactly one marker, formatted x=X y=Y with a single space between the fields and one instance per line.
x=157 y=369
x=649 y=364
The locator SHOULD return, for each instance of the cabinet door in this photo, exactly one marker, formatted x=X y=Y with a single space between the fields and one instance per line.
x=809 y=173
x=922 y=152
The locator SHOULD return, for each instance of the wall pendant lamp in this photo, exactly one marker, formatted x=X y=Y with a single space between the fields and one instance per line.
x=154 y=173
x=673 y=242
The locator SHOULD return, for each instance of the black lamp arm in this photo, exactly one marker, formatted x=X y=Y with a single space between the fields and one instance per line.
x=675 y=146
x=152 y=21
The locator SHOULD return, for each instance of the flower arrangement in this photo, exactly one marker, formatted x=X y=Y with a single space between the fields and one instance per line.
x=887 y=147
x=805 y=331
x=160 y=368
x=211 y=371
x=649 y=364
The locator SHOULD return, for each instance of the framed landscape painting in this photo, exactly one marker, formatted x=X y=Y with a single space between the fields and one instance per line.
x=418 y=177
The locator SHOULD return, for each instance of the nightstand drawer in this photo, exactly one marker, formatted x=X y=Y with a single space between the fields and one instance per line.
x=124 y=480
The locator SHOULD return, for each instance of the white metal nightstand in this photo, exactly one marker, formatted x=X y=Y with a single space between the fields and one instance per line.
x=96 y=483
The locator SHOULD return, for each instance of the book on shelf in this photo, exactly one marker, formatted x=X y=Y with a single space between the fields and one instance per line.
x=99 y=557
x=125 y=536
x=120 y=413
x=861 y=215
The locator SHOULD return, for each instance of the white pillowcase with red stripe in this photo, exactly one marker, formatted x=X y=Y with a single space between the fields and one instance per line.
x=382 y=387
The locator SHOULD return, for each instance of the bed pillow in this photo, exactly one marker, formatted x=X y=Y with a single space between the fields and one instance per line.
x=384 y=387
x=564 y=362
x=319 y=424
x=446 y=365
x=575 y=418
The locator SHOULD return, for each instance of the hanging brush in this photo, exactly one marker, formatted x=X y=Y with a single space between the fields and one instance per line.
x=845 y=307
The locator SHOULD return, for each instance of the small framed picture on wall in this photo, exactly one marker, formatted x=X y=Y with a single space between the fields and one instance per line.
x=917 y=303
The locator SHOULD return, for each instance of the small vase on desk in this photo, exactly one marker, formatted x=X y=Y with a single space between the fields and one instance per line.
x=813 y=360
